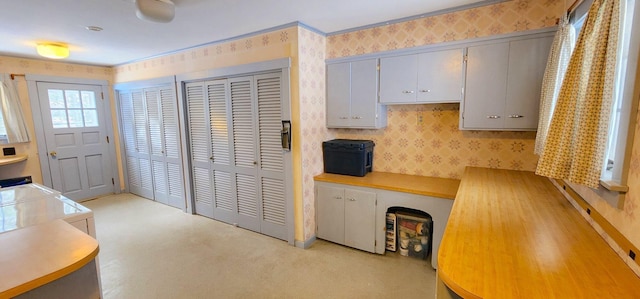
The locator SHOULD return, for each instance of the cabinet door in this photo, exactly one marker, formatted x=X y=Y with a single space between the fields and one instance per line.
x=364 y=93
x=360 y=219
x=330 y=214
x=338 y=95
x=486 y=86
x=440 y=76
x=398 y=79
x=527 y=62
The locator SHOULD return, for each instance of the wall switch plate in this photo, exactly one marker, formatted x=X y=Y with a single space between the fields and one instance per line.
x=9 y=151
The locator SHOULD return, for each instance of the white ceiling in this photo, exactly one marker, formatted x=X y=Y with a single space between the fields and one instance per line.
x=125 y=38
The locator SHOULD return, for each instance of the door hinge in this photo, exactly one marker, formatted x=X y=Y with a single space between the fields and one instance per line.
x=113 y=182
x=107 y=139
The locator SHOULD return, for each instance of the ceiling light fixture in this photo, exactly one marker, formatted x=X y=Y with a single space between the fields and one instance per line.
x=161 y=11
x=53 y=50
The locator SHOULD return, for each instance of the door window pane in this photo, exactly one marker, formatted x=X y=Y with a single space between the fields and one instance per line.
x=59 y=118
x=56 y=99
x=73 y=98
x=90 y=118
x=88 y=99
x=73 y=108
x=75 y=118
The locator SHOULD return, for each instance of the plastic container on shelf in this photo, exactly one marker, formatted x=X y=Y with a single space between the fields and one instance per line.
x=348 y=156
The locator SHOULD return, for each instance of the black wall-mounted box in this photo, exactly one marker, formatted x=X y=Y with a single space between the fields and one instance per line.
x=348 y=156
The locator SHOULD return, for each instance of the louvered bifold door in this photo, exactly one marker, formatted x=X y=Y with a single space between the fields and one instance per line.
x=142 y=143
x=156 y=147
x=199 y=147
x=244 y=152
x=271 y=176
x=129 y=141
x=224 y=200
x=171 y=150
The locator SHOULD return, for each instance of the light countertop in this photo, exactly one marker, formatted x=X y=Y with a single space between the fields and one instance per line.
x=512 y=234
x=421 y=185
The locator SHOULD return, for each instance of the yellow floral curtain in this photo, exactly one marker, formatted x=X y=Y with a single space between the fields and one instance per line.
x=557 y=64
x=577 y=137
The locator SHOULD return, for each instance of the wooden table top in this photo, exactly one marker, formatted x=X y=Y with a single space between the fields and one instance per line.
x=422 y=185
x=36 y=255
x=512 y=234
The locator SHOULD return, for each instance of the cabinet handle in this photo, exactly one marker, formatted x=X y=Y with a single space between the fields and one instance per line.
x=425 y=90
x=493 y=116
x=516 y=116
x=407 y=91
x=351 y=199
x=356 y=117
x=338 y=197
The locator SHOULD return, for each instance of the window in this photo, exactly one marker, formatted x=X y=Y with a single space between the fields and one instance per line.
x=623 y=94
x=73 y=108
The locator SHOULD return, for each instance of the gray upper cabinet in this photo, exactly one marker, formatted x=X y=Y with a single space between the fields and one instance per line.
x=503 y=82
x=431 y=77
x=352 y=93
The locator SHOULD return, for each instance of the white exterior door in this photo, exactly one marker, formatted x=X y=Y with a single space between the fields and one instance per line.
x=76 y=139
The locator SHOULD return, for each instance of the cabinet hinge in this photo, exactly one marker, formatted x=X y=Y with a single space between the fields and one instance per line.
x=466 y=57
x=378 y=67
x=102 y=95
x=113 y=182
x=375 y=243
x=376 y=202
x=107 y=139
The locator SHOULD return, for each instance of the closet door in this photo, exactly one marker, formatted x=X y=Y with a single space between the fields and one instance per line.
x=171 y=141
x=224 y=201
x=200 y=147
x=244 y=152
x=270 y=175
x=164 y=145
x=142 y=144
x=129 y=141
x=156 y=146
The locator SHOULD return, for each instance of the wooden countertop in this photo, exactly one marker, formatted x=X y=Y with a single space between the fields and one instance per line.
x=6 y=160
x=429 y=186
x=36 y=255
x=512 y=234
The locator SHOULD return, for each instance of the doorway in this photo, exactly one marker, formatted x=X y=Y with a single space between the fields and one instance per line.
x=74 y=131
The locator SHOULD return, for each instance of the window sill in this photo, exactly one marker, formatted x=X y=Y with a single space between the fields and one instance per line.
x=614 y=186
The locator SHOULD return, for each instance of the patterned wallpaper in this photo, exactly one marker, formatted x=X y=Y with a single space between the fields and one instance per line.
x=436 y=147
x=262 y=46
x=312 y=118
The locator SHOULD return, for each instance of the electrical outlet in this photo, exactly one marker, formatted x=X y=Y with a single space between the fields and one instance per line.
x=632 y=255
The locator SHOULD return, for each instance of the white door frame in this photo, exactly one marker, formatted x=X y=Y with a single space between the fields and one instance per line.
x=34 y=99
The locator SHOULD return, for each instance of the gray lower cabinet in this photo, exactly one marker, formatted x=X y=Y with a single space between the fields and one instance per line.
x=352 y=95
x=431 y=77
x=346 y=216
x=503 y=83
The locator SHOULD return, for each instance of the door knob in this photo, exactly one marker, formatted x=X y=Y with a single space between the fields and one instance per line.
x=53 y=154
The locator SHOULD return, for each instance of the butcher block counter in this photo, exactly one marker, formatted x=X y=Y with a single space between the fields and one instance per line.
x=48 y=260
x=512 y=234
x=421 y=185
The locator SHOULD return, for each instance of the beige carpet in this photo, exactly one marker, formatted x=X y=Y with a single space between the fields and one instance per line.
x=149 y=250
